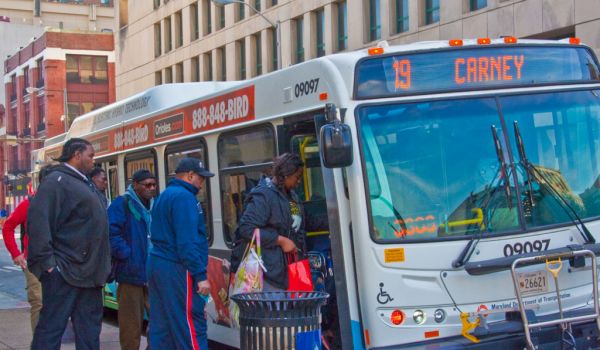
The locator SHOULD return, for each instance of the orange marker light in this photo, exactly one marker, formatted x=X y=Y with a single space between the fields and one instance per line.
x=510 y=40
x=574 y=41
x=323 y=96
x=432 y=334
x=397 y=317
x=375 y=51
x=484 y=41
x=367 y=337
x=455 y=42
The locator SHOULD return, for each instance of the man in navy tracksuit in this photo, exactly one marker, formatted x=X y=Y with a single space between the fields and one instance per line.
x=178 y=285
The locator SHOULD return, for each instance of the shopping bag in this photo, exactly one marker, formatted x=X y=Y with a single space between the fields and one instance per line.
x=249 y=275
x=299 y=275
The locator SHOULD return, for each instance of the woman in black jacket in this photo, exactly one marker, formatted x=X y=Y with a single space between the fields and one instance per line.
x=274 y=208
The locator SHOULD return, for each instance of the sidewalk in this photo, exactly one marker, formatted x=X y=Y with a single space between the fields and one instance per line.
x=15 y=332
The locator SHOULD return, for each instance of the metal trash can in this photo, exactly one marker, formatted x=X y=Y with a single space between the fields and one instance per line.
x=280 y=320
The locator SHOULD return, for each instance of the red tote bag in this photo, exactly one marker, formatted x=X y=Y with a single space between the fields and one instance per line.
x=299 y=275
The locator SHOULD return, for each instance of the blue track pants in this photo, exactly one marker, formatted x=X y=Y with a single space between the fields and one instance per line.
x=177 y=317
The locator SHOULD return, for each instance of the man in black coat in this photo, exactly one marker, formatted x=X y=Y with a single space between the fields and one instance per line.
x=69 y=250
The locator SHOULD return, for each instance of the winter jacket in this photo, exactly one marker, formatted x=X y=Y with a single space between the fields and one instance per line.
x=18 y=217
x=129 y=237
x=178 y=233
x=268 y=208
x=68 y=229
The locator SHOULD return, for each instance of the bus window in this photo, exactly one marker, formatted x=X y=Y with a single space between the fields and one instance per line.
x=244 y=157
x=113 y=183
x=193 y=149
x=432 y=170
x=137 y=161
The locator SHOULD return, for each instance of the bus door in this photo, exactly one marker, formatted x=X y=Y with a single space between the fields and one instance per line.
x=300 y=137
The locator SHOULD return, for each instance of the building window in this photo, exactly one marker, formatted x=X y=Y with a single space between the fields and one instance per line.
x=123 y=13
x=477 y=4
x=194 y=28
x=195 y=62
x=87 y=69
x=168 y=75
x=27 y=128
x=274 y=58
x=374 y=20
x=320 y=24
x=158 y=78
x=401 y=16
x=257 y=5
x=241 y=44
x=208 y=67
x=25 y=79
x=13 y=87
x=178 y=30
x=299 y=39
x=342 y=26
x=179 y=73
x=167 y=32
x=258 y=57
x=432 y=11
x=221 y=16
x=42 y=114
x=222 y=63
x=206 y=17
x=157 y=40
x=273 y=2
x=40 y=73
x=156 y=4
x=241 y=11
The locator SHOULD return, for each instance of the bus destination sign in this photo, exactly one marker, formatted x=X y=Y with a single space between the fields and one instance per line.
x=473 y=68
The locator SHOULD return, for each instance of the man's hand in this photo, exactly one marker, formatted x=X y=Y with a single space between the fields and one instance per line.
x=203 y=288
x=50 y=270
x=21 y=261
x=286 y=244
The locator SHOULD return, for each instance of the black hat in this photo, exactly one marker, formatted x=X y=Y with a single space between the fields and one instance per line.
x=192 y=164
x=142 y=175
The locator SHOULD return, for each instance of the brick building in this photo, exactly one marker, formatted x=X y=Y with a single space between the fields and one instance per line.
x=57 y=77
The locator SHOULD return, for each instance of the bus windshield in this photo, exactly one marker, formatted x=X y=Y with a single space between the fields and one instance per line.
x=443 y=169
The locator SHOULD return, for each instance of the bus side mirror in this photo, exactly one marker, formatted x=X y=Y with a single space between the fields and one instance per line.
x=335 y=140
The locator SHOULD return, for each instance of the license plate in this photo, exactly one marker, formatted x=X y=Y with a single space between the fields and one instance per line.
x=533 y=282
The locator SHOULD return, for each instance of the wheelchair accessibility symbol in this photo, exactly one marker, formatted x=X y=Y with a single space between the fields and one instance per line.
x=383 y=297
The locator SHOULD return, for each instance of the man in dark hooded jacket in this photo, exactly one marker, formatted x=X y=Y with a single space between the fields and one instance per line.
x=69 y=250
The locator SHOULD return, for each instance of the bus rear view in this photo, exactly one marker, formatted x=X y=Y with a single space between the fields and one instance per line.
x=480 y=170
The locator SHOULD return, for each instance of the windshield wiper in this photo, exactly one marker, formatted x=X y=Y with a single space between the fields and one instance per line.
x=503 y=167
x=468 y=250
x=533 y=172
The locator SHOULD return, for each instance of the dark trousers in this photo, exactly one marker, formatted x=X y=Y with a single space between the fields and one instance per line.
x=177 y=318
x=133 y=300
x=60 y=301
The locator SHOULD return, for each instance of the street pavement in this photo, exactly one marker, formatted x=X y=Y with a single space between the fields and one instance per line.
x=15 y=326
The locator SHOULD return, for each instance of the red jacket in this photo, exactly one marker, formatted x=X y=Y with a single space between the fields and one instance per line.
x=18 y=217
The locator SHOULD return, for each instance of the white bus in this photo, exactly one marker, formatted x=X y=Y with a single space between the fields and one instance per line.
x=445 y=184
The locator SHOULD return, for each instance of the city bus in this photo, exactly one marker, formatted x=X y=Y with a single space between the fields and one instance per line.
x=451 y=188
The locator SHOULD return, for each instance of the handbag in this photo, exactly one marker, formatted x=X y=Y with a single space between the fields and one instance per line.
x=299 y=275
x=249 y=276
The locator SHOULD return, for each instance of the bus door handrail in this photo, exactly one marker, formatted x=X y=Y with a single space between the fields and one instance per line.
x=563 y=321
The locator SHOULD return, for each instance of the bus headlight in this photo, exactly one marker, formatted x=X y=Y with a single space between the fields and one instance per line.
x=419 y=316
x=439 y=315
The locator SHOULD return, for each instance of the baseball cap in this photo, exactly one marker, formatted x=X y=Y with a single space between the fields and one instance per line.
x=142 y=175
x=192 y=164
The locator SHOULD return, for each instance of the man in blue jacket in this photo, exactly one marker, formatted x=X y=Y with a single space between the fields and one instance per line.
x=178 y=283
x=129 y=218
